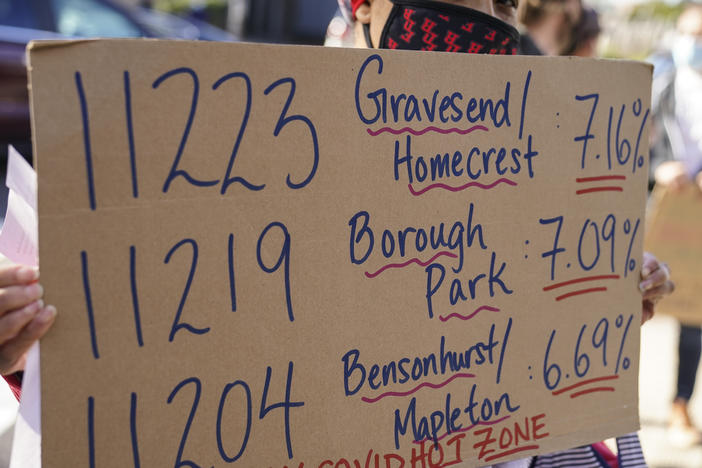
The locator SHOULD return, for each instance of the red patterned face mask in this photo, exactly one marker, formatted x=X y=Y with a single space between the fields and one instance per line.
x=444 y=27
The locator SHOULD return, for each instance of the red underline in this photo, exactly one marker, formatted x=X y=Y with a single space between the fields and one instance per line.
x=511 y=452
x=599 y=189
x=418 y=387
x=455 y=462
x=464 y=429
x=584 y=382
x=592 y=390
x=582 y=291
x=598 y=178
x=409 y=262
x=502 y=180
x=580 y=280
x=468 y=317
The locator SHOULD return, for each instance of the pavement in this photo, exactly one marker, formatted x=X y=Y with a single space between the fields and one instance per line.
x=658 y=372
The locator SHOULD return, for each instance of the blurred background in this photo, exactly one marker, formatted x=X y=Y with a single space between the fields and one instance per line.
x=639 y=30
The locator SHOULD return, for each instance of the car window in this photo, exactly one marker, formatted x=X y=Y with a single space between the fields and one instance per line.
x=92 y=18
x=18 y=13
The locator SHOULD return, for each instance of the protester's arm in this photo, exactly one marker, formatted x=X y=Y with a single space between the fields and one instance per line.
x=23 y=316
x=672 y=174
x=655 y=284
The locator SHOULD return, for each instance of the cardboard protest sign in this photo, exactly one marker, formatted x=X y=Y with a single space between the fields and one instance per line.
x=294 y=256
x=674 y=233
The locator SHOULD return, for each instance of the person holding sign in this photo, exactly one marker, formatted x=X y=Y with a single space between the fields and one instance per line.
x=494 y=30
x=680 y=145
x=381 y=24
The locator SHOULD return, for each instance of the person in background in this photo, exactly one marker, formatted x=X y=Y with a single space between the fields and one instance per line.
x=677 y=164
x=379 y=24
x=550 y=26
x=586 y=34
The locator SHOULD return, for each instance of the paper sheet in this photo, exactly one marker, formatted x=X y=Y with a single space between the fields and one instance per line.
x=18 y=242
x=21 y=177
x=18 y=238
x=26 y=445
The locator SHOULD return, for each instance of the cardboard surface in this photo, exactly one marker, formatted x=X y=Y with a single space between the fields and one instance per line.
x=249 y=268
x=674 y=233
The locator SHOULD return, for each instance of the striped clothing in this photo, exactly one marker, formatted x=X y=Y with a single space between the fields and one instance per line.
x=629 y=456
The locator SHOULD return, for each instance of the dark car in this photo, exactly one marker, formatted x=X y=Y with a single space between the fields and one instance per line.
x=14 y=99
x=103 y=18
x=24 y=20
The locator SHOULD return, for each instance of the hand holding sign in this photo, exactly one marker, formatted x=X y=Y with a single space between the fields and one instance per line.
x=23 y=317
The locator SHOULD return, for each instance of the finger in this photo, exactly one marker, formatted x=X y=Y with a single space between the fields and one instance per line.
x=655 y=277
x=647 y=311
x=13 y=322
x=19 y=365
x=649 y=264
x=657 y=293
x=12 y=275
x=12 y=352
x=16 y=297
x=679 y=182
